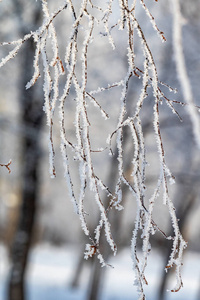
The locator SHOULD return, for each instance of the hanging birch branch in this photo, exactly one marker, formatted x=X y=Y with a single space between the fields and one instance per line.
x=85 y=24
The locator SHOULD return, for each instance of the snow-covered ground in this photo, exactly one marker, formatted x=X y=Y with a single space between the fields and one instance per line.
x=51 y=268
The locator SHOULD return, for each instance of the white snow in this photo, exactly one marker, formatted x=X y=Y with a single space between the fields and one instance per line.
x=51 y=268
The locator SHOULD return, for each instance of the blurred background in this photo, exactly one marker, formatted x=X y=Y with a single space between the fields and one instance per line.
x=41 y=242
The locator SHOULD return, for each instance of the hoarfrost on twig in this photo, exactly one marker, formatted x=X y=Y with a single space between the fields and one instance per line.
x=84 y=24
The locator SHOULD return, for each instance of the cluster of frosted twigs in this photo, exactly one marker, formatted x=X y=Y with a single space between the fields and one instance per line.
x=53 y=97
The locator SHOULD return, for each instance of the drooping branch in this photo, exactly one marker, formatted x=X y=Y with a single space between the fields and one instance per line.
x=75 y=66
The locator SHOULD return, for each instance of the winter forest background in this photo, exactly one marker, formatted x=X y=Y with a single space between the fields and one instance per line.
x=55 y=265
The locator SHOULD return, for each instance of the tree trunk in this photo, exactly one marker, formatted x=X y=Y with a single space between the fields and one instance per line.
x=31 y=119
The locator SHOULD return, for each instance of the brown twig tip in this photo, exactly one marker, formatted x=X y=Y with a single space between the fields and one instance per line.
x=177 y=289
x=7 y=165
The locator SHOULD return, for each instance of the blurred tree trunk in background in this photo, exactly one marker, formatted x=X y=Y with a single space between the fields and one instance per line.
x=31 y=119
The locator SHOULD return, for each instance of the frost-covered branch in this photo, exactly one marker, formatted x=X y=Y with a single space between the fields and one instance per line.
x=85 y=24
